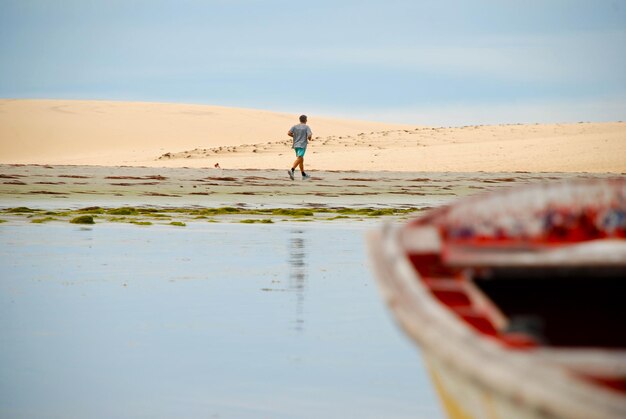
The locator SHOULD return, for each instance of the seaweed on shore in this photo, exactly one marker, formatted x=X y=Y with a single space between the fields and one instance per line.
x=141 y=223
x=261 y=221
x=159 y=216
x=91 y=210
x=134 y=211
x=58 y=213
x=339 y=217
x=370 y=212
x=83 y=219
x=43 y=220
x=138 y=215
x=20 y=210
x=123 y=211
x=298 y=212
x=118 y=219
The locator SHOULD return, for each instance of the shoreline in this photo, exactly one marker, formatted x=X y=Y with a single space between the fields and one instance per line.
x=281 y=170
x=143 y=195
x=181 y=216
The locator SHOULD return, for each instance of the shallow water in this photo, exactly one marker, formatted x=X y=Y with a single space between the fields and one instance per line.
x=211 y=321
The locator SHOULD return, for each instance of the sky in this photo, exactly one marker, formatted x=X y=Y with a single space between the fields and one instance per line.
x=447 y=62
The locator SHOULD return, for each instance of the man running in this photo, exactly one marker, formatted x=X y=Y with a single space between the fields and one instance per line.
x=301 y=135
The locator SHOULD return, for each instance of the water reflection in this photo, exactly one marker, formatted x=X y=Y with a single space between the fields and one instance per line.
x=298 y=274
x=66 y=317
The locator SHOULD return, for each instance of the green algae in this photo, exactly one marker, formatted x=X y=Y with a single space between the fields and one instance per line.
x=214 y=211
x=91 y=210
x=141 y=223
x=118 y=219
x=19 y=210
x=158 y=216
x=228 y=210
x=123 y=211
x=138 y=215
x=58 y=213
x=129 y=221
x=43 y=220
x=83 y=219
x=178 y=223
x=339 y=217
x=147 y=210
x=370 y=212
x=298 y=212
x=379 y=213
x=201 y=213
x=3 y=221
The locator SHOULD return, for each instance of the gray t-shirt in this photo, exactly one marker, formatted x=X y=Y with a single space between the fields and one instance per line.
x=301 y=133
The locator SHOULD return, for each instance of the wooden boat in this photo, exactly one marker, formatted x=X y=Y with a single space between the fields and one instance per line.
x=517 y=299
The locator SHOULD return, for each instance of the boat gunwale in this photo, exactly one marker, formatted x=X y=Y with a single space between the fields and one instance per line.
x=546 y=387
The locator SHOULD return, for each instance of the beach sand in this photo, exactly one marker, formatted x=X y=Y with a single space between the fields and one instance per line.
x=177 y=135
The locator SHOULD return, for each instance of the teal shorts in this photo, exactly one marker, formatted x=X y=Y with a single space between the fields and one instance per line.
x=300 y=151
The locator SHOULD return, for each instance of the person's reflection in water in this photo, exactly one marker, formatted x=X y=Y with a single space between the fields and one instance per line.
x=297 y=274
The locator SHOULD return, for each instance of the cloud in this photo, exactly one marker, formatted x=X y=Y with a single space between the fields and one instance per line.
x=458 y=114
x=573 y=57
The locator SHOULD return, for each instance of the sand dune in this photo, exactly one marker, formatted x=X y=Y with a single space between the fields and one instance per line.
x=174 y=135
x=97 y=132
